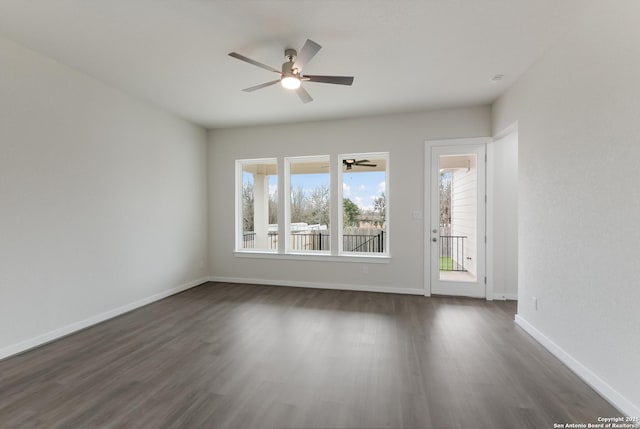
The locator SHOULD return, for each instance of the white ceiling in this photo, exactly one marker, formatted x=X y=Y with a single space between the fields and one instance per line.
x=405 y=55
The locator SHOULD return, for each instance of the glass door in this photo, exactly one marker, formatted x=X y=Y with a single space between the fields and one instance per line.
x=457 y=220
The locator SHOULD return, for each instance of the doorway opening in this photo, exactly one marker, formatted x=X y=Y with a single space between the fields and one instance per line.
x=458 y=195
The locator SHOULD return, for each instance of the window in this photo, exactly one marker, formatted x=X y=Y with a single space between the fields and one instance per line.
x=359 y=197
x=363 y=203
x=257 y=204
x=308 y=205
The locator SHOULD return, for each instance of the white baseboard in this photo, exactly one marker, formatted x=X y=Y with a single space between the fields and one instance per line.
x=82 y=324
x=599 y=385
x=335 y=286
x=505 y=296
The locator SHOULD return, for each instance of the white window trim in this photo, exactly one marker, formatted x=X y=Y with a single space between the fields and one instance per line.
x=283 y=251
x=340 y=222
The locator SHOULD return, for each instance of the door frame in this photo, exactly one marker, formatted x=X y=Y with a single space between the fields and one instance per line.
x=429 y=144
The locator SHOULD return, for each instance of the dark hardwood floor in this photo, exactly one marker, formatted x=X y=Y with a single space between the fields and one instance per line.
x=244 y=356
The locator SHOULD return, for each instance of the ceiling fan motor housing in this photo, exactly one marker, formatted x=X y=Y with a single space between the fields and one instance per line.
x=290 y=54
x=287 y=68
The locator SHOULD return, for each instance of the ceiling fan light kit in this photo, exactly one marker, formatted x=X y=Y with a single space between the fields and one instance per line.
x=291 y=76
x=290 y=82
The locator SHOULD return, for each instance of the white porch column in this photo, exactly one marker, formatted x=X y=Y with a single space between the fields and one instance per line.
x=261 y=210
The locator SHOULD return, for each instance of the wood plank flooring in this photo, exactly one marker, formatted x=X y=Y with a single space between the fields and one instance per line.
x=245 y=356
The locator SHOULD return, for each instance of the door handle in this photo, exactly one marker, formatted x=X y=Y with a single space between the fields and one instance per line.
x=434 y=239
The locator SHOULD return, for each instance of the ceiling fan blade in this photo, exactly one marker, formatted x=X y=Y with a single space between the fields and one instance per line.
x=367 y=165
x=304 y=95
x=308 y=51
x=338 y=80
x=254 y=62
x=262 y=85
x=361 y=161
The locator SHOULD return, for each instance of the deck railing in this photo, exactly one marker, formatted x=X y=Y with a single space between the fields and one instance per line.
x=249 y=240
x=363 y=243
x=319 y=241
x=452 y=253
x=313 y=241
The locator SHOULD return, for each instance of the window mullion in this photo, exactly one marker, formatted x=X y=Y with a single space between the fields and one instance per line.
x=335 y=193
x=284 y=205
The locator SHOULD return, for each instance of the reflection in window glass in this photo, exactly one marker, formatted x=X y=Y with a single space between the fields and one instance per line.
x=364 y=203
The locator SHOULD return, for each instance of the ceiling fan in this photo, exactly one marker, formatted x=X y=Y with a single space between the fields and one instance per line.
x=349 y=163
x=291 y=76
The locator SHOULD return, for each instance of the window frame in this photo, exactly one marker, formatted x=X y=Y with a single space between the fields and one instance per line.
x=239 y=182
x=283 y=250
x=287 y=204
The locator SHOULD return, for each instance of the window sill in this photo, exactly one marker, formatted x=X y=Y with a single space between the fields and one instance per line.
x=316 y=257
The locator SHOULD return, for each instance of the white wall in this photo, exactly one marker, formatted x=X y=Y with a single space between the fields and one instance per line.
x=502 y=216
x=579 y=199
x=402 y=136
x=102 y=200
x=464 y=215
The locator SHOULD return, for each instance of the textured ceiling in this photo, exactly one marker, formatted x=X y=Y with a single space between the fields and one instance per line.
x=405 y=55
